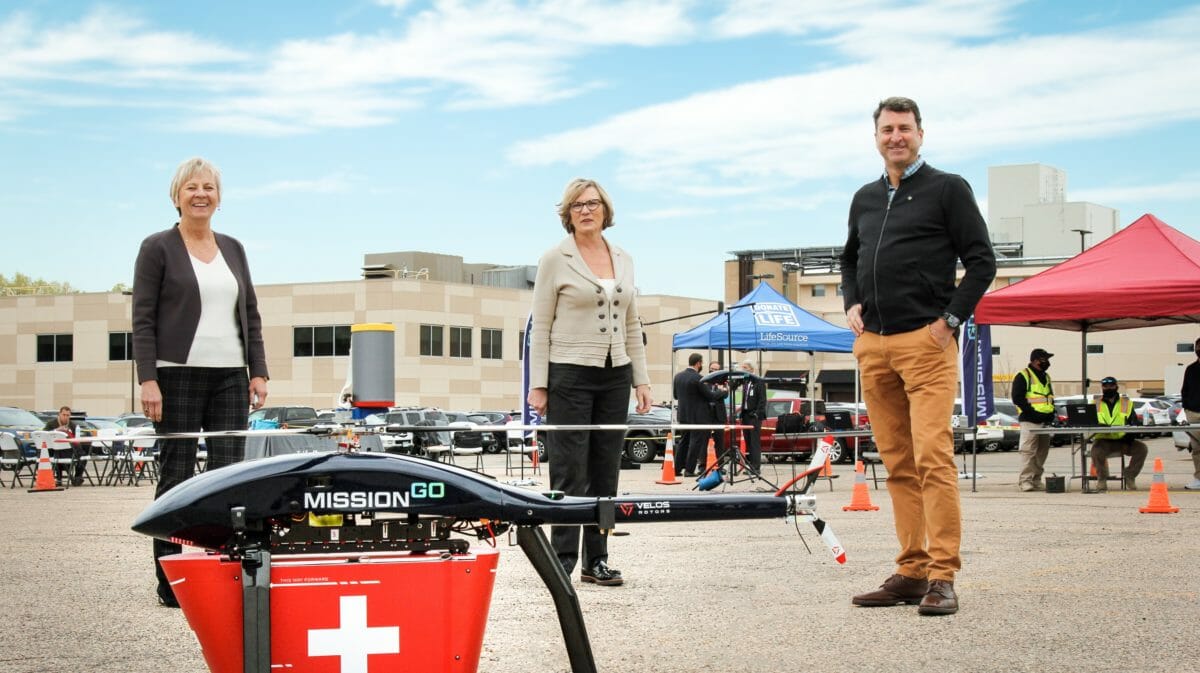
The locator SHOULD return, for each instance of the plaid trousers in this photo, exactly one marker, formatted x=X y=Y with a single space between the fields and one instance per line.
x=195 y=399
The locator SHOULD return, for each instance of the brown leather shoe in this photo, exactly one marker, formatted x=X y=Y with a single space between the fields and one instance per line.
x=941 y=599
x=895 y=590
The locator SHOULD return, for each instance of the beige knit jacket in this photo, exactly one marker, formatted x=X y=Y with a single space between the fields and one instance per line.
x=574 y=321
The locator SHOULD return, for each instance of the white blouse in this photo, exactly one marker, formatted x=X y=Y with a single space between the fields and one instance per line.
x=218 y=341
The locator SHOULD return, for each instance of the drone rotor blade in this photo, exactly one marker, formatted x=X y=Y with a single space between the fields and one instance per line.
x=826 y=533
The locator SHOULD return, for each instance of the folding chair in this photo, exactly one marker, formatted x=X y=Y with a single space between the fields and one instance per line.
x=139 y=461
x=456 y=450
x=101 y=456
x=12 y=459
x=429 y=444
x=524 y=451
x=62 y=454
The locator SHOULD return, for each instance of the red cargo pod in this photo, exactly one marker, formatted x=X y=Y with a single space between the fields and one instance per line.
x=337 y=613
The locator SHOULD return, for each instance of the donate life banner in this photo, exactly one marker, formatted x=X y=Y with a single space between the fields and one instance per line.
x=975 y=348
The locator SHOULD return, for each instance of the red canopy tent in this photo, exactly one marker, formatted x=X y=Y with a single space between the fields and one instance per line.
x=1145 y=275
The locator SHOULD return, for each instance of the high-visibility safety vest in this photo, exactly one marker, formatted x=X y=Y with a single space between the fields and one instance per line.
x=1038 y=394
x=1118 y=415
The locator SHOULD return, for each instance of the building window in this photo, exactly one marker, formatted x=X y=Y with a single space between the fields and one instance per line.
x=120 y=346
x=431 y=340
x=1186 y=347
x=490 y=343
x=521 y=345
x=55 y=347
x=818 y=290
x=839 y=290
x=1095 y=349
x=995 y=351
x=460 y=342
x=312 y=341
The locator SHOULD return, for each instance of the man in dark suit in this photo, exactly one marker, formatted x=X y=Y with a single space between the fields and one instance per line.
x=753 y=411
x=694 y=396
x=683 y=413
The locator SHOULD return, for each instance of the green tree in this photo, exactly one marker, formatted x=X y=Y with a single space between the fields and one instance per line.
x=21 y=284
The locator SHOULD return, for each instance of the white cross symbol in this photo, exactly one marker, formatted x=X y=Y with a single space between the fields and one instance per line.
x=353 y=640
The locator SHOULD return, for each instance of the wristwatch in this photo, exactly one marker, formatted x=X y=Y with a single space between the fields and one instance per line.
x=951 y=320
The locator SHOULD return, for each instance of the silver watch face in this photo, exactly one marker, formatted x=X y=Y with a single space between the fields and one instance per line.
x=951 y=320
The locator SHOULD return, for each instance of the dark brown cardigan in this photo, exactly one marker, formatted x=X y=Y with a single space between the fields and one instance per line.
x=166 y=303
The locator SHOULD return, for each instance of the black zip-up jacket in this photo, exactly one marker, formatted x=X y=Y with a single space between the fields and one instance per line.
x=1190 y=391
x=900 y=258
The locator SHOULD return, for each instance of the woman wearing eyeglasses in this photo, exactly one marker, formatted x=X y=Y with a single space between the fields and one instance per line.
x=586 y=354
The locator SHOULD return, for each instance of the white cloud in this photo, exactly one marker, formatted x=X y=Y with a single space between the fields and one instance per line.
x=456 y=53
x=102 y=42
x=1185 y=189
x=336 y=183
x=976 y=98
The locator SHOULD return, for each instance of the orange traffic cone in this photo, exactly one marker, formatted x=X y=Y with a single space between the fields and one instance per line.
x=827 y=471
x=45 y=473
x=1159 y=503
x=711 y=461
x=860 y=499
x=668 y=473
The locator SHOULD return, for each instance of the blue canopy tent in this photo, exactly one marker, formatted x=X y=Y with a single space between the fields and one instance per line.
x=765 y=320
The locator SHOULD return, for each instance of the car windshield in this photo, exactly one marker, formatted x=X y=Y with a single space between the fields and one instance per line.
x=19 y=418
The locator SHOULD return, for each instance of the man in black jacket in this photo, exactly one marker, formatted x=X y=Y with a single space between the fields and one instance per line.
x=908 y=230
x=1190 y=392
x=754 y=410
x=1033 y=393
x=693 y=396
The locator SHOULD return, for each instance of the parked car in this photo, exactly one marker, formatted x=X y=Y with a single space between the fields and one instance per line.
x=392 y=441
x=1179 y=438
x=1153 y=411
x=1176 y=402
x=129 y=421
x=1010 y=440
x=291 y=416
x=789 y=416
x=19 y=423
x=512 y=438
x=642 y=444
x=471 y=440
x=986 y=437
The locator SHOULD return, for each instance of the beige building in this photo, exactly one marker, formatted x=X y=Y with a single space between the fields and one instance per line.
x=455 y=348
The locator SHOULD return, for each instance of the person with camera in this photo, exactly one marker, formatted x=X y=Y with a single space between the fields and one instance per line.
x=753 y=411
x=1033 y=393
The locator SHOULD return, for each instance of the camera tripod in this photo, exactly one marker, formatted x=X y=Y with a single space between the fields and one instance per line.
x=731 y=465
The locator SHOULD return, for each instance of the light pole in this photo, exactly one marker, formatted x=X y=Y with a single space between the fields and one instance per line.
x=129 y=353
x=1083 y=377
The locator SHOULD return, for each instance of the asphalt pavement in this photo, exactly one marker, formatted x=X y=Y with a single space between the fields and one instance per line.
x=1067 y=581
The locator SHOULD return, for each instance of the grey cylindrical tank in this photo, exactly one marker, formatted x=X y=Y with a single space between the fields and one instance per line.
x=373 y=364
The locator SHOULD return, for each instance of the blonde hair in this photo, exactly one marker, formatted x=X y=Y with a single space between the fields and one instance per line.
x=572 y=192
x=185 y=172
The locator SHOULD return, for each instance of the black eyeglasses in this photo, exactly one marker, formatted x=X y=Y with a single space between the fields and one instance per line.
x=579 y=206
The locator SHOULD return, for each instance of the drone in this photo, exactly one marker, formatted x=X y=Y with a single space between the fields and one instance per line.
x=350 y=503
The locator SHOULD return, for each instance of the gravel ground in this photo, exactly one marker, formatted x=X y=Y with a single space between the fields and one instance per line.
x=1068 y=581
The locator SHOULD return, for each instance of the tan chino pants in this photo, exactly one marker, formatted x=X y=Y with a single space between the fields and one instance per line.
x=909 y=383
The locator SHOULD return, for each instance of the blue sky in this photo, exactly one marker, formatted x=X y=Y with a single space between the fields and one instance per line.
x=364 y=126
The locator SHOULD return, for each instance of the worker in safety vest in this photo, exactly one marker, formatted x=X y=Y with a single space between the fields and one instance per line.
x=1112 y=408
x=1033 y=394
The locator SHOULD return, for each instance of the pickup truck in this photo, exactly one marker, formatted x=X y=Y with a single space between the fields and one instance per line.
x=789 y=416
x=288 y=416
